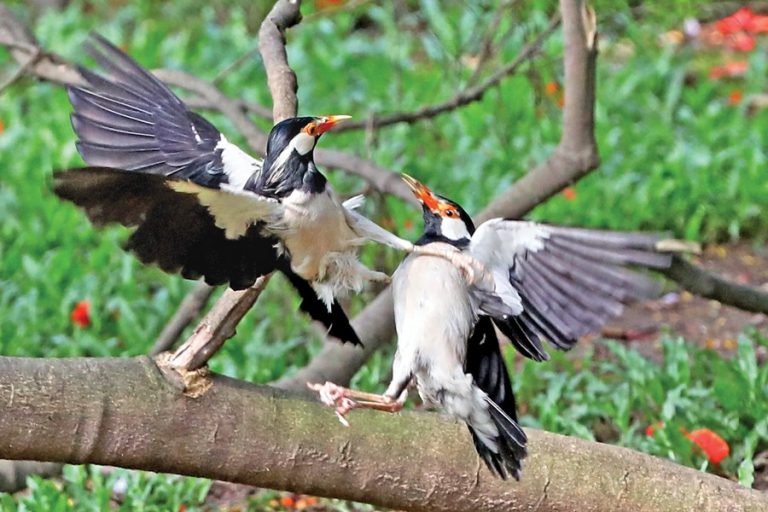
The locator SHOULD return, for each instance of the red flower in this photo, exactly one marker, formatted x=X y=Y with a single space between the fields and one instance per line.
x=81 y=314
x=569 y=193
x=714 y=447
x=743 y=20
x=2 y=126
x=735 y=97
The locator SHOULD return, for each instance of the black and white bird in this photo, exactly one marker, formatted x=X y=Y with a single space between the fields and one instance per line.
x=203 y=207
x=540 y=282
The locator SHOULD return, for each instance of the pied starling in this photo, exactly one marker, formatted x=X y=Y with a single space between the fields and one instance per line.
x=203 y=207
x=540 y=282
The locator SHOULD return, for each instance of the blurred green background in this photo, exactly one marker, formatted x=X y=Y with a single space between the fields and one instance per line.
x=681 y=151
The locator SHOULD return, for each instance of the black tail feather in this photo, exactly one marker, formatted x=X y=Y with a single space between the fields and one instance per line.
x=486 y=365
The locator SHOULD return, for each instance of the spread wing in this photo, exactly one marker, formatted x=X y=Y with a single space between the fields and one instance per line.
x=558 y=283
x=180 y=226
x=197 y=231
x=131 y=120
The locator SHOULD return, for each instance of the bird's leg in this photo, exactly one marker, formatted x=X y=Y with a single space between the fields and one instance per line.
x=345 y=399
x=472 y=269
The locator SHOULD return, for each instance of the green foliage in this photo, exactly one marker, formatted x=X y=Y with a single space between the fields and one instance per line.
x=89 y=489
x=615 y=398
x=676 y=156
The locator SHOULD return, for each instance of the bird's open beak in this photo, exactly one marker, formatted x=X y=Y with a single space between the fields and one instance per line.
x=328 y=122
x=421 y=192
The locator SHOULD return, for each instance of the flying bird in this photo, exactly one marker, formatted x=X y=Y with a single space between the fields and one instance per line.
x=203 y=207
x=540 y=282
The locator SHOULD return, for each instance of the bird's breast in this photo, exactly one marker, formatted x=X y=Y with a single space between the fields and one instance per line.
x=315 y=228
x=433 y=312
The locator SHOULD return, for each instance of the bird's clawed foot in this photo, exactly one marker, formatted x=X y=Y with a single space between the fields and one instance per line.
x=345 y=399
x=469 y=266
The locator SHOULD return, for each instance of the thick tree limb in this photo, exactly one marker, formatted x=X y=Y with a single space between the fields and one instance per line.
x=463 y=98
x=705 y=284
x=128 y=413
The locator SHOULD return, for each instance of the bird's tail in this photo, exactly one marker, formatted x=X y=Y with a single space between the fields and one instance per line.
x=502 y=448
x=498 y=438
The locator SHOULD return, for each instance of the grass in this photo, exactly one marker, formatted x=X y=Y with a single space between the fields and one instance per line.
x=677 y=156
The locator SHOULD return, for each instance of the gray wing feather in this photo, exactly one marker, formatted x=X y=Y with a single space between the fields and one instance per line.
x=571 y=281
x=133 y=121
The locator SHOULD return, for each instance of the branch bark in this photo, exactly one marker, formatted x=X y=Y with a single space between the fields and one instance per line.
x=705 y=284
x=189 y=309
x=131 y=413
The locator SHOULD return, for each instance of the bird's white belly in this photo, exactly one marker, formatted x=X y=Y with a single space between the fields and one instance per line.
x=434 y=319
x=316 y=230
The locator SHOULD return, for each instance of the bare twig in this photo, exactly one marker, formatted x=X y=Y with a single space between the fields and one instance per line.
x=280 y=77
x=189 y=309
x=466 y=96
x=20 y=71
x=231 y=67
x=218 y=326
x=486 y=47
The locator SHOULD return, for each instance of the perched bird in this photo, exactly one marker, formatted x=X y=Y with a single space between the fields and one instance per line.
x=540 y=283
x=203 y=207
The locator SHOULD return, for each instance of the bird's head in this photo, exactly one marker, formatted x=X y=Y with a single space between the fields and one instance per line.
x=290 y=149
x=443 y=219
x=298 y=135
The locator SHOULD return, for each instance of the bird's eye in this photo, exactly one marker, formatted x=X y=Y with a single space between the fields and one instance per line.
x=450 y=213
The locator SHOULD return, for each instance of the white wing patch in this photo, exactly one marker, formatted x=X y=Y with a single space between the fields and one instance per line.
x=233 y=210
x=497 y=243
x=238 y=165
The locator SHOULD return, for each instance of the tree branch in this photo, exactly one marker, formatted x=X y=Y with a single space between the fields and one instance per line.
x=464 y=97
x=710 y=286
x=189 y=309
x=130 y=413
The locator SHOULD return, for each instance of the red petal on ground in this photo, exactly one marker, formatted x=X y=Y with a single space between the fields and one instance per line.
x=741 y=42
x=736 y=22
x=729 y=70
x=650 y=430
x=714 y=447
x=81 y=314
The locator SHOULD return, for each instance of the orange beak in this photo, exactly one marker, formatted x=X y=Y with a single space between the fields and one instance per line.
x=325 y=123
x=421 y=192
